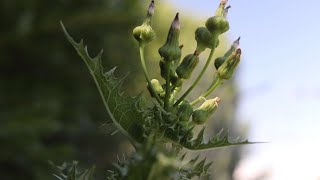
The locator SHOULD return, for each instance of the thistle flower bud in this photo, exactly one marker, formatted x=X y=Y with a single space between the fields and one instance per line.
x=185 y=111
x=218 y=24
x=163 y=70
x=220 y=60
x=145 y=33
x=187 y=66
x=171 y=51
x=204 y=39
x=157 y=87
x=226 y=70
x=202 y=113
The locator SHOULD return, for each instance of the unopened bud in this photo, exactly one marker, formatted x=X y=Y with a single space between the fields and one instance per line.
x=217 y=25
x=220 y=60
x=145 y=33
x=185 y=111
x=202 y=113
x=226 y=70
x=204 y=39
x=171 y=51
x=164 y=70
x=187 y=66
x=156 y=86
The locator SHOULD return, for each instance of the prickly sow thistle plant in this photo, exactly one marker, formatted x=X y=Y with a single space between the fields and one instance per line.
x=172 y=118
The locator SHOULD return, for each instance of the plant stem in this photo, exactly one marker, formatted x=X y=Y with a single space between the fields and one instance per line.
x=213 y=86
x=175 y=84
x=198 y=78
x=146 y=74
x=167 y=98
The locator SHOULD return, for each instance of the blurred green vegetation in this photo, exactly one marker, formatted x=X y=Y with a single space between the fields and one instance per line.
x=50 y=107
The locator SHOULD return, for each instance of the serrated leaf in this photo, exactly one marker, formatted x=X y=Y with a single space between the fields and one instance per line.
x=88 y=174
x=124 y=111
x=72 y=174
x=215 y=142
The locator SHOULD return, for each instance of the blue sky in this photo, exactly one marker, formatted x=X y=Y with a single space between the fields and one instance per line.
x=278 y=81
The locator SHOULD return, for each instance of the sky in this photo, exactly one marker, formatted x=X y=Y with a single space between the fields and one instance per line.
x=278 y=82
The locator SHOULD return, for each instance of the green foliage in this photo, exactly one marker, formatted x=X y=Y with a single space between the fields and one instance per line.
x=149 y=128
x=71 y=172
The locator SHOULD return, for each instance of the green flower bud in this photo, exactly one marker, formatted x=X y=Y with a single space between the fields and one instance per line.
x=185 y=111
x=188 y=64
x=145 y=33
x=220 y=60
x=218 y=24
x=202 y=113
x=203 y=38
x=171 y=51
x=227 y=69
x=157 y=87
x=163 y=70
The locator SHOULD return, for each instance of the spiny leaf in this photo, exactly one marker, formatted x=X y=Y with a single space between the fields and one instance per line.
x=183 y=156
x=124 y=111
x=88 y=174
x=72 y=174
x=199 y=166
x=215 y=142
x=200 y=138
x=206 y=167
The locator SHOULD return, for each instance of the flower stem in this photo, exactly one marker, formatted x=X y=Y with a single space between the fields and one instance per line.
x=198 y=78
x=175 y=84
x=168 y=91
x=146 y=74
x=213 y=86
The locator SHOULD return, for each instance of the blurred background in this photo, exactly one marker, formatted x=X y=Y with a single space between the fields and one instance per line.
x=51 y=110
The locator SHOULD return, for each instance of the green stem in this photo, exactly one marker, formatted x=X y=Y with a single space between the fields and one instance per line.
x=146 y=74
x=167 y=98
x=175 y=84
x=198 y=78
x=213 y=86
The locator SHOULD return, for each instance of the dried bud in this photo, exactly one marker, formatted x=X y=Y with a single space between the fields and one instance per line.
x=202 y=113
x=224 y=2
x=145 y=33
x=187 y=66
x=171 y=51
x=226 y=10
x=226 y=70
x=151 y=9
x=185 y=111
x=157 y=87
x=220 y=60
